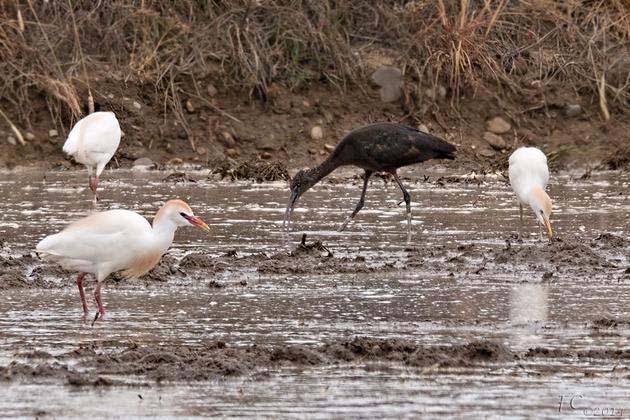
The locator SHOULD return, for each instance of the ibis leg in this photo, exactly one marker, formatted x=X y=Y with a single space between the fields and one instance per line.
x=361 y=202
x=82 y=293
x=407 y=199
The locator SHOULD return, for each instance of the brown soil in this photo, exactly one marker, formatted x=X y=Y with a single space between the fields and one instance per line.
x=185 y=363
x=279 y=132
x=564 y=255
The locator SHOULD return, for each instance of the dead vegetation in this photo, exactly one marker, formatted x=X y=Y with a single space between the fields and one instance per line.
x=65 y=51
x=259 y=171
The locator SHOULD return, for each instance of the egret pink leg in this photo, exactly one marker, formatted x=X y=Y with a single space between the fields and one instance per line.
x=99 y=301
x=93 y=186
x=82 y=293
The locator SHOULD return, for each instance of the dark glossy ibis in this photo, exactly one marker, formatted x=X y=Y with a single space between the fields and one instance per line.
x=381 y=147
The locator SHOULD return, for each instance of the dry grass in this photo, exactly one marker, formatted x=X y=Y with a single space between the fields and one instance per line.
x=58 y=49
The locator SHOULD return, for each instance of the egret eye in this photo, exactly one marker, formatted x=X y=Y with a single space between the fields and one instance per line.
x=184 y=215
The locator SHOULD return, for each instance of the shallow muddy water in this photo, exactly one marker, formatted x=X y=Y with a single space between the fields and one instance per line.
x=463 y=277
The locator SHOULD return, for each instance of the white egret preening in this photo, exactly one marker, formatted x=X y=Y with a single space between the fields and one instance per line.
x=116 y=240
x=93 y=142
x=529 y=175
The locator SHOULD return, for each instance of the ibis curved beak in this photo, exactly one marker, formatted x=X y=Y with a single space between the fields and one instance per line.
x=196 y=221
x=287 y=214
x=548 y=226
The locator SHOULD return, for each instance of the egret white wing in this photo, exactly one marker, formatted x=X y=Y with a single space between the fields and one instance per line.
x=102 y=237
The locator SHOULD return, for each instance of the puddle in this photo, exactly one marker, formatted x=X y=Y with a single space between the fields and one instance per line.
x=464 y=278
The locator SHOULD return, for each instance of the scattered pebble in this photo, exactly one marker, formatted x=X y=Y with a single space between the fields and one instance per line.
x=329 y=147
x=498 y=125
x=53 y=133
x=231 y=152
x=572 y=110
x=423 y=128
x=488 y=153
x=190 y=107
x=212 y=91
x=494 y=140
x=30 y=136
x=12 y=140
x=144 y=162
x=228 y=139
x=137 y=105
x=317 y=133
x=265 y=155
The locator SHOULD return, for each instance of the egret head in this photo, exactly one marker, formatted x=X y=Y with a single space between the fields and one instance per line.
x=541 y=204
x=180 y=214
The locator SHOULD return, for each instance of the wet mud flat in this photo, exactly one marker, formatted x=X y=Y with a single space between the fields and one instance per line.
x=253 y=317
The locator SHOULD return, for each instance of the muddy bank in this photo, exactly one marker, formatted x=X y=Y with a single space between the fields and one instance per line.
x=607 y=253
x=90 y=365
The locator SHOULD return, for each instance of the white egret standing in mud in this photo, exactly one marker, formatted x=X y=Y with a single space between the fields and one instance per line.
x=381 y=147
x=116 y=240
x=529 y=175
x=93 y=142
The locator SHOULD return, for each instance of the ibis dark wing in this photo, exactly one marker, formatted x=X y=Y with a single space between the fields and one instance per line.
x=386 y=146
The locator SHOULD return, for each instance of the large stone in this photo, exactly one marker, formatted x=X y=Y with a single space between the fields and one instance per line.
x=390 y=80
x=494 y=140
x=498 y=125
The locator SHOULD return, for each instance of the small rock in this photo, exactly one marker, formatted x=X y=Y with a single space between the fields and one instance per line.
x=390 y=80
x=227 y=139
x=441 y=91
x=30 y=136
x=175 y=161
x=189 y=106
x=329 y=147
x=143 y=162
x=494 y=140
x=12 y=140
x=137 y=105
x=423 y=128
x=265 y=155
x=312 y=151
x=231 y=152
x=212 y=91
x=317 y=133
x=488 y=153
x=572 y=110
x=498 y=125
x=53 y=133
x=202 y=151
x=528 y=136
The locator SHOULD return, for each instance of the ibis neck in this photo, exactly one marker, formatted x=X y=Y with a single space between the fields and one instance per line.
x=322 y=170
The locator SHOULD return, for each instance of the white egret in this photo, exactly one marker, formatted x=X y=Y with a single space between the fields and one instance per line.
x=116 y=240
x=529 y=175
x=93 y=142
